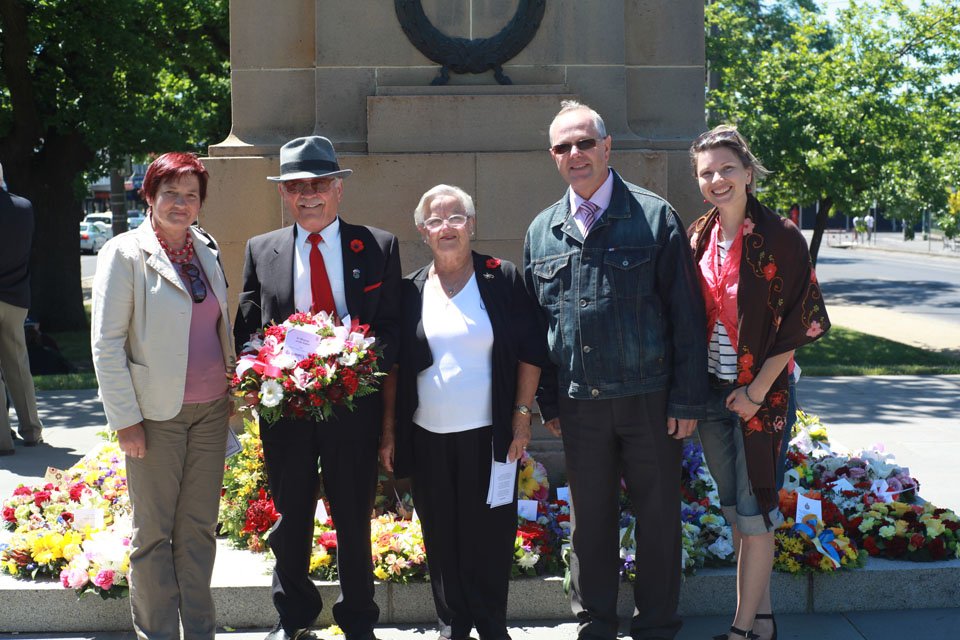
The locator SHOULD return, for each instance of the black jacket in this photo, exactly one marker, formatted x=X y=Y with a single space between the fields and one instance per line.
x=517 y=335
x=16 y=220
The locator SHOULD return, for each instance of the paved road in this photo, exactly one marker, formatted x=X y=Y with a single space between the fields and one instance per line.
x=88 y=267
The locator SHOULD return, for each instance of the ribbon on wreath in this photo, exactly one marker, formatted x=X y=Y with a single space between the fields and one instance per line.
x=823 y=542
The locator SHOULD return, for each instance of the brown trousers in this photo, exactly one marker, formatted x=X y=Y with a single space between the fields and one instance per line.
x=16 y=373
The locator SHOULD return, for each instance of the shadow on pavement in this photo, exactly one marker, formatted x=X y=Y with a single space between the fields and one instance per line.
x=889 y=293
x=881 y=399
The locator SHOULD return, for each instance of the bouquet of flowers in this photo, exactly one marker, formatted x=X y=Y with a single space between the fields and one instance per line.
x=532 y=483
x=398 y=552
x=246 y=509
x=822 y=547
x=912 y=532
x=305 y=367
x=532 y=551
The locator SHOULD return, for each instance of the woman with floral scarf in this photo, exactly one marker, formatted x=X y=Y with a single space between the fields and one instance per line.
x=762 y=302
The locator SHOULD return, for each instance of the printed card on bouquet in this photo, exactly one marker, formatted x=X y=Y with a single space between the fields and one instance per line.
x=92 y=518
x=563 y=493
x=527 y=509
x=53 y=476
x=321 y=513
x=300 y=344
x=807 y=507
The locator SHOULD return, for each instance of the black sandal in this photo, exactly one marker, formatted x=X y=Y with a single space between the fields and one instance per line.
x=750 y=635
x=768 y=616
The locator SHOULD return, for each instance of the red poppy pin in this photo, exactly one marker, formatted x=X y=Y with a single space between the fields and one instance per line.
x=493 y=263
x=356 y=246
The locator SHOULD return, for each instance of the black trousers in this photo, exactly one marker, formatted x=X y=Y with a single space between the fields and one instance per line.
x=347 y=450
x=603 y=439
x=469 y=545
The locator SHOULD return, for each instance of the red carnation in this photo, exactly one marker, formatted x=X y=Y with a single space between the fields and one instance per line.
x=350 y=381
x=22 y=491
x=356 y=246
x=76 y=491
x=261 y=514
x=769 y=271
x=896 y=547
x=937 y=549
x=40 y=497
x=493 y=263
x=8 y=514
x=871 y=546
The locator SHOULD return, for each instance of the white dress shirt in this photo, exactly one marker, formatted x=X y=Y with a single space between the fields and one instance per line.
x=332 y=253
x=601 y=198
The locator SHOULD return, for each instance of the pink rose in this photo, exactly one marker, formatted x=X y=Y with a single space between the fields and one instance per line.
x=73 y=578
x=104 y=579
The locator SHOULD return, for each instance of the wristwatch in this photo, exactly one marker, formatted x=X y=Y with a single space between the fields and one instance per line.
x=522 y=409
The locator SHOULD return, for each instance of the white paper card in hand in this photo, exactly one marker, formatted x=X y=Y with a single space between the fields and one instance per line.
x=300 y=343
x=503 y=476
x=527 y=509
x=807 y=507
x=233 y=444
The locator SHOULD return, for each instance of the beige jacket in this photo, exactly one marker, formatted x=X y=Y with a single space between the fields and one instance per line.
x=140 y=325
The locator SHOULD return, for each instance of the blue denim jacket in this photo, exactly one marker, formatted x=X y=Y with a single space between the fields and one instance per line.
x=623 y=309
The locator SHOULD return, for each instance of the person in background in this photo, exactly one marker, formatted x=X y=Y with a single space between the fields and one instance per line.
x=470 y=356
x=162 y=351
x=16 y=220
x=762 y=303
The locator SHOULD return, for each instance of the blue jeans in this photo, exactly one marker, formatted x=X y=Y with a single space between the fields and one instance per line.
x=722 y=440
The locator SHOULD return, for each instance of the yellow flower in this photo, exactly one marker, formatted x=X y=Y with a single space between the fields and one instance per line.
x=867 y=524
x=934 y=527
x=827 y=564
x=792 y=565
x=380 y=573
x=901 y=526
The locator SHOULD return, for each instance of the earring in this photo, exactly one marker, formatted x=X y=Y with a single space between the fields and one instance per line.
x=704 y=201
x=748 y=189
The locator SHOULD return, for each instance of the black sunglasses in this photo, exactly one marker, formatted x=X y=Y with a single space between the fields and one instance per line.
x=197 y=289
x=584 y=145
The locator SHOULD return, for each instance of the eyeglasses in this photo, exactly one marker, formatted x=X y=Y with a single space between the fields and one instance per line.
x=197 y=289
x=583 y=145
x=320 y=185
x=456 y=221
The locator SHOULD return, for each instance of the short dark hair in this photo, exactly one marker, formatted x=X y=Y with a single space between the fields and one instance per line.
x=726 y=135
x=173 y=165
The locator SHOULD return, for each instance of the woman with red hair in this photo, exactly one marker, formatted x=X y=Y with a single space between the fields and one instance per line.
x=161 y=345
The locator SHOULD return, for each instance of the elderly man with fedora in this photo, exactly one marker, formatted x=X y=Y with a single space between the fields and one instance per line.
x=322 y=263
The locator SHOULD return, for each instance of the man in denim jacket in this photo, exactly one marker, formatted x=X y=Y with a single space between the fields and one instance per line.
x=610 y=267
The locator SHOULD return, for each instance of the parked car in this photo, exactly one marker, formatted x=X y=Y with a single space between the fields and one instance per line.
x=134 y=219
x=92 y=237
x=105 y=220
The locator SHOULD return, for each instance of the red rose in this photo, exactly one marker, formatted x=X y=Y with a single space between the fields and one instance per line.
x=40 y=497
x=871 y=546
x=356 y=246
x=493 y=263
x=49 y=486
x=916 y=541
x=8 y=514
x=76 y=491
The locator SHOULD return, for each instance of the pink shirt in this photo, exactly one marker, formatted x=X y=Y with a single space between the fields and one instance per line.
x=206 y=374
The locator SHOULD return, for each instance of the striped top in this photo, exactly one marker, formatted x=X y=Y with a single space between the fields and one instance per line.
x=722 y=356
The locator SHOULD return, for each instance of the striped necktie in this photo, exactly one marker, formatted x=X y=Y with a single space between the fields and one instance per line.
x=589 y=212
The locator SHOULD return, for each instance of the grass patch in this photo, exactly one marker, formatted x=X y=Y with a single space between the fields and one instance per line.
x=846 y=352
x=63 y=381
x=75 y=347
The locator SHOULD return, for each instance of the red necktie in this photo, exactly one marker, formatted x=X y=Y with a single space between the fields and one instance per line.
x=319 y=282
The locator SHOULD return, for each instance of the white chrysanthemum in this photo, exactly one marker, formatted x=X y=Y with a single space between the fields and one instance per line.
x=284 y=361
x=330 y=346
x=348 y=359
x=271 y=393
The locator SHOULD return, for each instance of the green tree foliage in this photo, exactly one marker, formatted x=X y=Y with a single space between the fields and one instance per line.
x=843 y=114
x=86 y=81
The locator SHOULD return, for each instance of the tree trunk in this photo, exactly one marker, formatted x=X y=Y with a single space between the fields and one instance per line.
x=55 y=291
x=823 y=212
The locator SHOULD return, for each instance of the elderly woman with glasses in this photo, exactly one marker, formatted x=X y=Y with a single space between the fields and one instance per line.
x=469 y=365
x=162 y=348
x=762 y=302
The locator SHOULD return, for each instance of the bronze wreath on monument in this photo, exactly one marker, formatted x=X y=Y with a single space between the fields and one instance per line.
x=470 y=56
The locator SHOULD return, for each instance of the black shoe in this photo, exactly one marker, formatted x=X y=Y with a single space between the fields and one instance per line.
x=768 y=616
x=368 y=635
x=750 y=635
x=32 y=443
x=278 y=633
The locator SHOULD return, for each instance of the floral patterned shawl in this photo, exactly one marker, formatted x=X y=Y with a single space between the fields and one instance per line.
x=779 y=308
